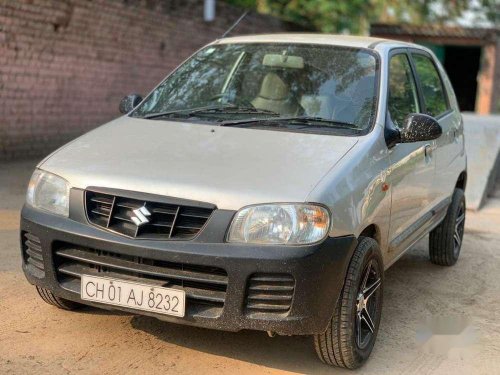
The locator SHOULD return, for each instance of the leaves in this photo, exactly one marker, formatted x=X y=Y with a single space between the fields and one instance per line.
x=355 y=16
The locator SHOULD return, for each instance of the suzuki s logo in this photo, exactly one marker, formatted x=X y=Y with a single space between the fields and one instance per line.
x=141 y=215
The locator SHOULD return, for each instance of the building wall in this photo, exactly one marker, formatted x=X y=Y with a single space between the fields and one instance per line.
x=487 y=81
x=495 y=100
x=65 y=65
x=488 y=39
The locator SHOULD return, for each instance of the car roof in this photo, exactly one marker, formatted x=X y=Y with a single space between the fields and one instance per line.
x=314 y=38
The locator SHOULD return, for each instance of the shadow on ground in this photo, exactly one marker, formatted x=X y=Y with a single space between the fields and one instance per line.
x=257 y=348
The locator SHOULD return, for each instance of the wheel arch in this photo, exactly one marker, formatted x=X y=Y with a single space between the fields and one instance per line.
x=462 y=181
x=371 y=231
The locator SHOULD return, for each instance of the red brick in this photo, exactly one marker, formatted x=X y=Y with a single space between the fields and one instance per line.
x=65 y=65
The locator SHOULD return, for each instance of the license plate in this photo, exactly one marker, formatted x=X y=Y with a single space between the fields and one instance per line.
x=133 y=295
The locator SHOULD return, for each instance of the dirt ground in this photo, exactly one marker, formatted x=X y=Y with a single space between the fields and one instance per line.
x=38 y=338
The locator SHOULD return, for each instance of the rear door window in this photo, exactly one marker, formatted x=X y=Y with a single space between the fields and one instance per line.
x=431 y=84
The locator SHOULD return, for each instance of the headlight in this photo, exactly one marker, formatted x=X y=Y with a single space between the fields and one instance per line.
x=287 y=224
x=48 y=192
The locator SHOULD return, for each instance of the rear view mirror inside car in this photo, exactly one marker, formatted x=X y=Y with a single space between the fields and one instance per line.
x=283 y=61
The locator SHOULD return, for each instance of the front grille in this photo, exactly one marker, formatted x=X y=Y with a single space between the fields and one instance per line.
x=269 y=293
x=205 y=286
x=33 y=256
x=155 y=220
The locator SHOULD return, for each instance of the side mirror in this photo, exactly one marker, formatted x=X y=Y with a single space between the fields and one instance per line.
x=419 y=127
x=129 y=102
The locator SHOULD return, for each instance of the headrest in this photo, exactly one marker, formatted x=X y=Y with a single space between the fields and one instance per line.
x=273 y=87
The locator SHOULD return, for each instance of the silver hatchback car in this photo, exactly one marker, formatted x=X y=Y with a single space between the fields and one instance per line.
x=265 y=184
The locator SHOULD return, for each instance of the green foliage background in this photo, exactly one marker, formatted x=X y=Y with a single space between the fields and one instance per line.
x=355 y=16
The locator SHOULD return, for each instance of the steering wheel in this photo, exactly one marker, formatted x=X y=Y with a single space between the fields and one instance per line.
x=239 y=102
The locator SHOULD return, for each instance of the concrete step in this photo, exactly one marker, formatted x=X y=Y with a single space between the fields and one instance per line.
x=482 y=143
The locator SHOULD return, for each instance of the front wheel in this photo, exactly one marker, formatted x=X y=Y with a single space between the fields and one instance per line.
x=350 y=336
x=61 y=303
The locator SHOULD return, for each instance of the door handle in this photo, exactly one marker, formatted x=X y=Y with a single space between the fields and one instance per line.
x=428 y=151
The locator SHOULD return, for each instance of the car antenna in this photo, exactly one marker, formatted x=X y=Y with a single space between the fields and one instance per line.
x=235 y=24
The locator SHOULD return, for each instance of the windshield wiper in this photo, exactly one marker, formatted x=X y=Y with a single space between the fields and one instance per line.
x=306 y=120
x=227 y=108
x=315 y=121
x=185 y=111
x=234 y=109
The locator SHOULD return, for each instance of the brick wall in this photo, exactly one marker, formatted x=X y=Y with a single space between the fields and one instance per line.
x=65 y=64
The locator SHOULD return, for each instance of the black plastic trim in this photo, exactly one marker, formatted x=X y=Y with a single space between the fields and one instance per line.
x=319 y=269
x=392 y=134
x=151 y=197
x=420 y=223
x=209 y=233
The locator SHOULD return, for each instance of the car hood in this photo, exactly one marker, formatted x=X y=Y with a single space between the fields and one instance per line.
x=227 y=166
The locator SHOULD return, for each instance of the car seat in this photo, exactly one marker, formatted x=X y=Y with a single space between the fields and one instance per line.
x=274 y=95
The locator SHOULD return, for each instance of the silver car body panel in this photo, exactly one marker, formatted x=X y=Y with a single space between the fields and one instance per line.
x=305 y=38
x=361 y=181
x=227 y=166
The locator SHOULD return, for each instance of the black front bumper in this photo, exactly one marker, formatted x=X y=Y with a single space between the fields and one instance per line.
x=317 y=271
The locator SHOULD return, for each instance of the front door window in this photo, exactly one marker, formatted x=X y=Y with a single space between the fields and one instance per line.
x=403 y=98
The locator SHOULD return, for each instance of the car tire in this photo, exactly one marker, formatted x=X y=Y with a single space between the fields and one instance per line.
x=350 y=337
x=59 y=302
x=445 y=241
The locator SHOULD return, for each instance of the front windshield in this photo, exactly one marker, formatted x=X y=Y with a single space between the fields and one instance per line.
x=286 y=80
